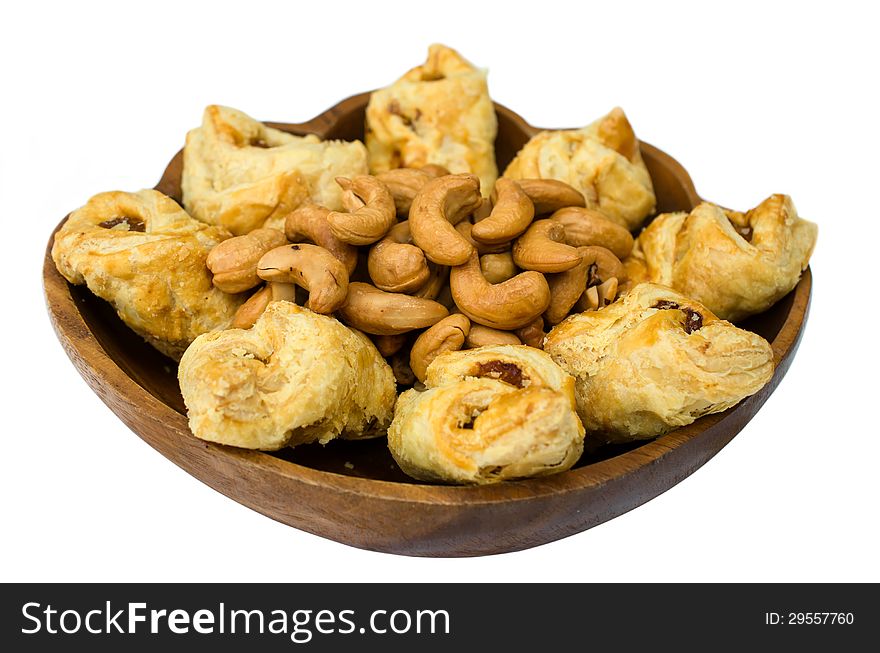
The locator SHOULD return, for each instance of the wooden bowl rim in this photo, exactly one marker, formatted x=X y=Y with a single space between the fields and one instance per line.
x=71 y=327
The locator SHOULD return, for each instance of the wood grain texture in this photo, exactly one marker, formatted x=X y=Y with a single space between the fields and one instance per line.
x=353 y=492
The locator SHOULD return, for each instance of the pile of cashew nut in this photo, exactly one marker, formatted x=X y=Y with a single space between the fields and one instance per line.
x=423 y=264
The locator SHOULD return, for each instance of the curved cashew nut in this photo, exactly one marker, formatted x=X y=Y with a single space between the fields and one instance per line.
x=370 y=222
x=404 y=184
x=234 y=261
x=567 y=287
x=309 y=222
x=386 y=314
x=395 y=265
x=512 y=213
x=447 y=335
x=549 y=195
x=249 y=312
x=434 y=170
x=389 y=345
x=498 y=268
x=310 y=267
x=465 y=228
x=440 y=204
x=532 y=334
x=585 y=227
x=542 y=248
x=483 y=336
x=508 y=305
x=483 y=211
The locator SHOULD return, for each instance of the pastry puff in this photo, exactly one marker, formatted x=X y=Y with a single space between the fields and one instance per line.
x=737 y=264
x=294 y=377
x=439 y=112
x=239 y=173
x=656 y=360
x=142 y=253
x=489 y=414
x=601 y=160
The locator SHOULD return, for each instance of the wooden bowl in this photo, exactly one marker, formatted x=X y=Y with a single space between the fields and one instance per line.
x=353 y=492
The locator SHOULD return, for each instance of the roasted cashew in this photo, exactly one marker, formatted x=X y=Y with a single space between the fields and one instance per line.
x=435 y=284
x=310 y=267
x=395 y=265
x=248 y=313
x=483 y=211
x=607 y=265
x=588 y=227
x=596 y=297
x=371 y=221
x=389 y=345
x=434 y=170
x=549 y=195
x=386 y=314
x=447 y=335
x=309 y=222
x=508 y=305
x=567 y=287
x=404 y=184
x=438 y=206
x=483 y=336
x=465 y=228
x=532 y=334
x=512 y=213
x=498 y=268
x=542 y=248
x=234 y=261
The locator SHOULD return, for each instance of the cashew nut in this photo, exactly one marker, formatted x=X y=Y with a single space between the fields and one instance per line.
x=434 y=169
x=370 y=222
x=512 y=213
x=567 y=287
x=508 y=305
x=234 y=261
x=596 y=297
x=542 y=248
x=396 y=265
x=549 y=195
x=483 y=211
x=498 y=268
x=607 y=265
x=465 y=228
x=532 y=334
x=437 y=207
x=310 y=267
x=248 y=313
x=589 y=227
x=309 y=222
x=389 y=345
x=435 y=284
x=483 y=336
x=447 y=335
x=386 y=314
x=403 y=184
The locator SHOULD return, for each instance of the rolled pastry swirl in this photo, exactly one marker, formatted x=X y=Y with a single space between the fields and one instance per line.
x=294 y=377
x=601 y=160
x=656 y=360
x=142 y=253
x=440 y=113
x=737 y=264
x=241 y=174
x=489 y=414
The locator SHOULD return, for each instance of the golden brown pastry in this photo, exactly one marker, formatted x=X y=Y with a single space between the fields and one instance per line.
x=489 y=414
x=294 y=377
x=601 y=160
x=737 y=264
x=437 y=113
x=142 y=253
x=241 y=174
x=656 y=360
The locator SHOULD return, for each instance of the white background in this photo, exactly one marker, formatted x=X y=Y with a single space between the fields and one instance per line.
x=752 y=98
